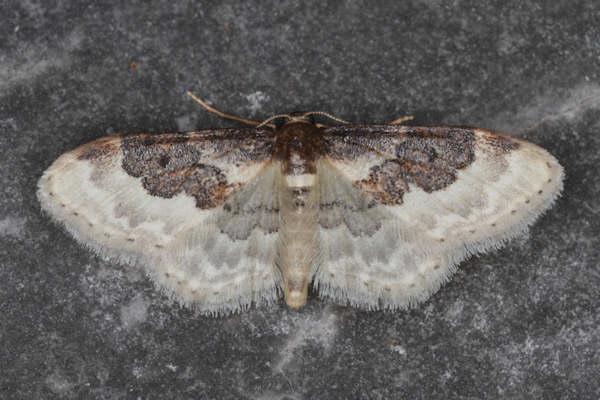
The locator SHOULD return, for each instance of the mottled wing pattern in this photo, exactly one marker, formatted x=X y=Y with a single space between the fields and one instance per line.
x=402 y=206
x=195 y=209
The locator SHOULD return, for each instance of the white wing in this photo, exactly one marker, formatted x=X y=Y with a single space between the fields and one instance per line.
x=195 y=209
x=392 y=240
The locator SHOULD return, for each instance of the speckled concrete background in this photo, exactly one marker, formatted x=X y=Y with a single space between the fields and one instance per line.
x=521 y=323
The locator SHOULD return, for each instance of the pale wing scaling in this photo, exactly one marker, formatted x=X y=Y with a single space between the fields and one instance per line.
x=378 y=216
x=195 y=209
x=402 y=206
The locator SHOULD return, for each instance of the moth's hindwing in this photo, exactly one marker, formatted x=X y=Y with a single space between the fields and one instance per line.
x=195 y=209
x=402 y=206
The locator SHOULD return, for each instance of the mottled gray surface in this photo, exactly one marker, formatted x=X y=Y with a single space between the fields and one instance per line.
x=520 y=323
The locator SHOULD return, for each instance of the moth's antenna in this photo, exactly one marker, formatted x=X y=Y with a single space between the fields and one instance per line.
x=399 y=121
x=342 y=121
x=306 y=114
x=266 y=121
x=229 y=116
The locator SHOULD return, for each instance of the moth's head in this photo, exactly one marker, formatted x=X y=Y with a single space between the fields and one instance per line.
x=299 y=118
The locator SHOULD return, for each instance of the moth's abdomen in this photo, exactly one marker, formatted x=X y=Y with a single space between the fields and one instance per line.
x=298 y=219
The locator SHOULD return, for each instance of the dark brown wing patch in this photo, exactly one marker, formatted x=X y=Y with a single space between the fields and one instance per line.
x=171 y=163
x=427 y=157
x=206 y=183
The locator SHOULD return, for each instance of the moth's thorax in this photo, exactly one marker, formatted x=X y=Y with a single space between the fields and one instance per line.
x=298 y=145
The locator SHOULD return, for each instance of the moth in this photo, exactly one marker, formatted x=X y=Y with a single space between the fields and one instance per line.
x=375 y=216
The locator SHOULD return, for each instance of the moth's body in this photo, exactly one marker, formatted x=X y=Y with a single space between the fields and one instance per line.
x=378 y=216
x=298 y=148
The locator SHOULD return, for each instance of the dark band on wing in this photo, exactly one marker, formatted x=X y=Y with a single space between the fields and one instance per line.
x=100 y=151
x=174 y=163
x=239 y=221
x=428 y=157
x=430 y=161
